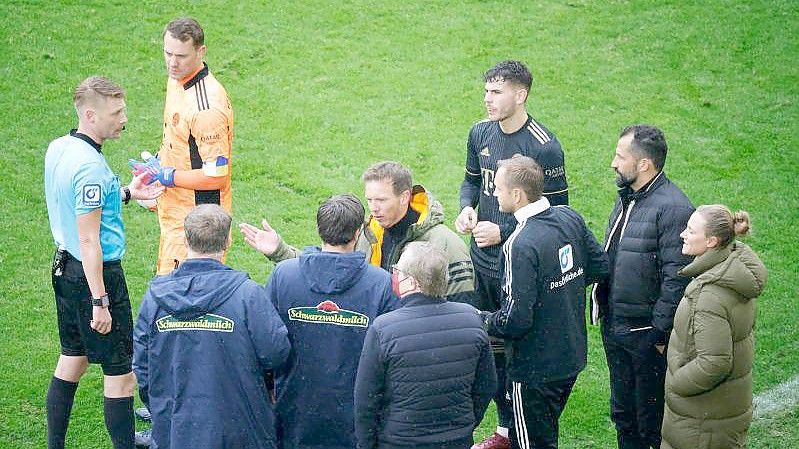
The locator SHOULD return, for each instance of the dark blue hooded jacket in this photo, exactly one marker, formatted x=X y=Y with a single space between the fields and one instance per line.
x=327 y=301
x=204 y=339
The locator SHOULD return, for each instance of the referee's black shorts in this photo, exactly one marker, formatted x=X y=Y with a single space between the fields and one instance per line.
x=114 y=350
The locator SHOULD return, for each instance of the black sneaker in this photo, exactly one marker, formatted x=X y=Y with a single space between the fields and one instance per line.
x=143 y=413
x=143 y=439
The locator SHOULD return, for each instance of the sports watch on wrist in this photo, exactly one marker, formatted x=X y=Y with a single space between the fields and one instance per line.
x=101 y=301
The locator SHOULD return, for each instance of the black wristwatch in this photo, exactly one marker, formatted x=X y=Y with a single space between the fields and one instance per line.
x=126 y=199
x=101 y=301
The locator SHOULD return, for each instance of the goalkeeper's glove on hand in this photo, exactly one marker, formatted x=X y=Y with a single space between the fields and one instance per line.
x=152 y=165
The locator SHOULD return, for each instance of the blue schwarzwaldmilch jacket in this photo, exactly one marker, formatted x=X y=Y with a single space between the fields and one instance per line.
x=204 y=339
x=327 y=301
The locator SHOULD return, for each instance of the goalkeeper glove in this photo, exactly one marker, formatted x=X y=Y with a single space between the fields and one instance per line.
x=152 y=165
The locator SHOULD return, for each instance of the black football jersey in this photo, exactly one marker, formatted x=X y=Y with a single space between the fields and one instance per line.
x=488 y=144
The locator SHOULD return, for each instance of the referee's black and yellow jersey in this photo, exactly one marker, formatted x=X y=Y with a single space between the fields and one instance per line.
x=487 y=145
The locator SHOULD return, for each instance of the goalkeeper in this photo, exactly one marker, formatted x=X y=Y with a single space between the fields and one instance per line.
x=193 y=162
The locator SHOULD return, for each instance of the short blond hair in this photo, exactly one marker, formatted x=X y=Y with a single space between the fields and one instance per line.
x=398 y=175
x=94 y=87
x=524 y=173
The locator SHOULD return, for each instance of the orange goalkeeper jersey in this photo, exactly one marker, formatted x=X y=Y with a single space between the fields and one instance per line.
x=198 y=135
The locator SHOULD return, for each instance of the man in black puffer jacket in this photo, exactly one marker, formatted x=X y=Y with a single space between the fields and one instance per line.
x=426 y=372
x=638 y=300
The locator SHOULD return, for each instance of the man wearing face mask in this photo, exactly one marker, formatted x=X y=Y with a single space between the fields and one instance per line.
x=424 y=378
x=637 y=302
x=327 y=297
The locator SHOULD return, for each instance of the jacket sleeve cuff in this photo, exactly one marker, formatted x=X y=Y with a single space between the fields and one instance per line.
x=284 y=251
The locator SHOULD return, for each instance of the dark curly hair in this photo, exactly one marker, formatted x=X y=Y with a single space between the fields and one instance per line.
x=512 y=71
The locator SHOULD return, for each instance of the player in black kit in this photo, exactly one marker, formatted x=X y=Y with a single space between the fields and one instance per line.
x=508 y=130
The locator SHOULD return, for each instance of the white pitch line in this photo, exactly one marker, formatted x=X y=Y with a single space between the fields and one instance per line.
x=781 y=398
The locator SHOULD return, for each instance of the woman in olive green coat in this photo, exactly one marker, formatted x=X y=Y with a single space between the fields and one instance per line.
x=709 y=377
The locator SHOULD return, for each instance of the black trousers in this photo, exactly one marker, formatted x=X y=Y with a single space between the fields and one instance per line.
x=536 y=412
x=489 y=288
x=637 y=374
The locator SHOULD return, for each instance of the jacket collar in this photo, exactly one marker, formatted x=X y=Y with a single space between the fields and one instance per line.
x=201 y=264
x=421 y=202
x=653 y=184
x=706 y=261
x=420 y=299
x=400 y=229
x=531 y=209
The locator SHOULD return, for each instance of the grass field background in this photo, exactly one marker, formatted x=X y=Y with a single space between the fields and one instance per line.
x=323 y=89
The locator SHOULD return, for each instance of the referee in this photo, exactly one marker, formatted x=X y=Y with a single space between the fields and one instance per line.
x=509 y=130
x=84 y=201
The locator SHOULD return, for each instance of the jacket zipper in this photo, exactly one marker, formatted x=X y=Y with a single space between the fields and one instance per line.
x=594 y=301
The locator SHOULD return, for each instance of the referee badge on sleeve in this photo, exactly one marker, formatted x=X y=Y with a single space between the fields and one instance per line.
x=92 y=193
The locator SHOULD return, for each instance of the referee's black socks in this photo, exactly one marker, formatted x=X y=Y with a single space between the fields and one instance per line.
x=119 y=421
x=60 y=397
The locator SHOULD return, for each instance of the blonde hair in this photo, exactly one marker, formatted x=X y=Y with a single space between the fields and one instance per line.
x=94 y=87
x=394 y=172
x=721 y=223
x=524 y=173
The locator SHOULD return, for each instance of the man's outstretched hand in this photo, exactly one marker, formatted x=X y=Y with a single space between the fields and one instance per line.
x=264 y=240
